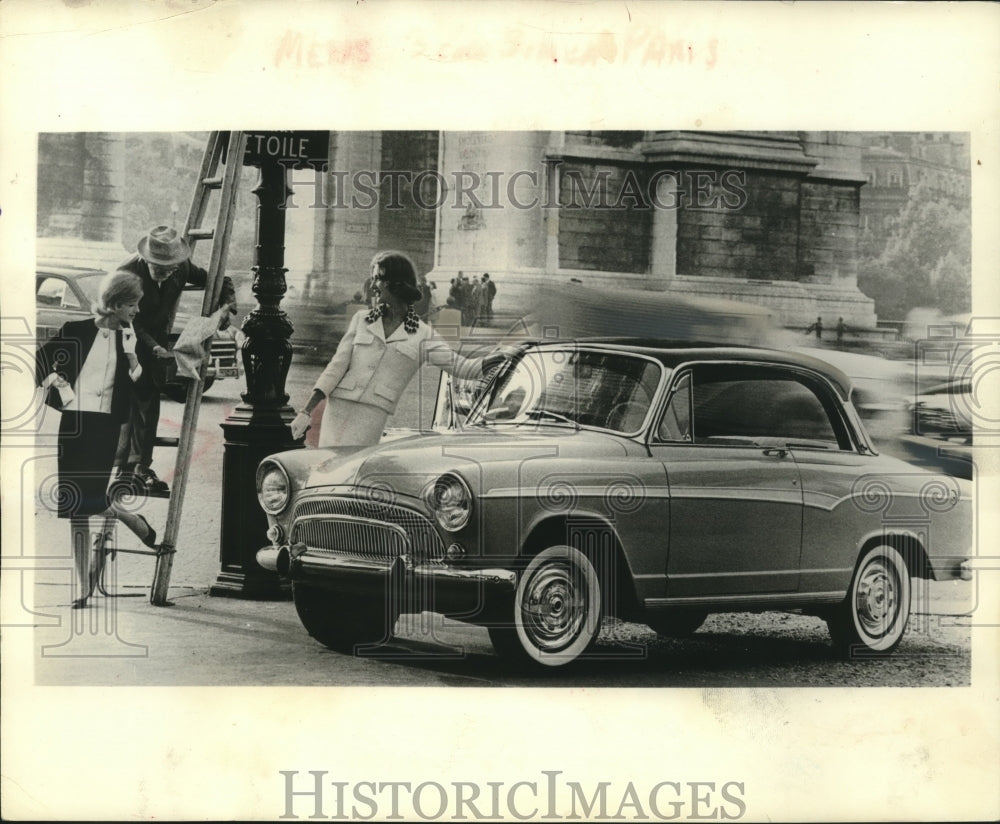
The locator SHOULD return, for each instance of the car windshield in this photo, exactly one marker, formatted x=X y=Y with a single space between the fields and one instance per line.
x=89 y=284
x=573 y=387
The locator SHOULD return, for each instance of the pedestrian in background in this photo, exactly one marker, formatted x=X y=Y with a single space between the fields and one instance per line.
x=816 y=327
x=841 y=328
x=489 y=293
x=423 y=306
x=475 y=301
x=163 y=266
x=376 y=359
x=93 y=366
x=462 y=299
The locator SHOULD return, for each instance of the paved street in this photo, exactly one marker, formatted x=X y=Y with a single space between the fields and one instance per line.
x=219 y=641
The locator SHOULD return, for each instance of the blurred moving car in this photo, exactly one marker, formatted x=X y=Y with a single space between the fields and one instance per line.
x=941 y=428
x=656 y=482
x=64 y=293
x=915 y=411
x=879 y=385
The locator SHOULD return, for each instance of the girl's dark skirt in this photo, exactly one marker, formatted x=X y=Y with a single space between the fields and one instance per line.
x=87 y=445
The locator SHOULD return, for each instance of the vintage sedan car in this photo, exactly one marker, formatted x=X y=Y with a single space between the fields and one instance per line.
x=65 y=293
x=656 y=482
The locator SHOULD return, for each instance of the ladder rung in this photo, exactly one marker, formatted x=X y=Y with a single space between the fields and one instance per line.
x=113 y=550
x=212 y=182
x=201 y=234
x=172 y=442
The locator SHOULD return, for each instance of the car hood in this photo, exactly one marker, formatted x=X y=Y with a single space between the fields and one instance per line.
x=408 y=463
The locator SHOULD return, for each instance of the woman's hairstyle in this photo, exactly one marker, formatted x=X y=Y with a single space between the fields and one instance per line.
x=117 y=288
x=397 y=274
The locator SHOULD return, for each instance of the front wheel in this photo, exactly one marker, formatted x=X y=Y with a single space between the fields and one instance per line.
x=343 y=622
x=557 y=610
x=873 y=617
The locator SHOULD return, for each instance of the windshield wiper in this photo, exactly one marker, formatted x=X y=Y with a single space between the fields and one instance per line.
x=556 y=416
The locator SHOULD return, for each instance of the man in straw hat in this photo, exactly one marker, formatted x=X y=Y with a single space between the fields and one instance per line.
x=164 y=266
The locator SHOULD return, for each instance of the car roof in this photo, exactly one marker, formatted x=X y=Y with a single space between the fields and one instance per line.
x=66 y=270
x=673 y=353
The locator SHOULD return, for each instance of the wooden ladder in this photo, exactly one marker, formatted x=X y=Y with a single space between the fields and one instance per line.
x=224 y=151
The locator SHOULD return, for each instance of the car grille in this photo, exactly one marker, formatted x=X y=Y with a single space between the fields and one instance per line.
x=360 y=528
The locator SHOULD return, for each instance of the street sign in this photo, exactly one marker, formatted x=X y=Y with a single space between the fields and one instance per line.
x=295 y=150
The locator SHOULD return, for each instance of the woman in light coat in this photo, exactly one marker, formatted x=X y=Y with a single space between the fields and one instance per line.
x=377 y=357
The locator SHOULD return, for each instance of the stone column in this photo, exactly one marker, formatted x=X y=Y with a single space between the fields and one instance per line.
x=81 y=178
x=663 y=244
x=103 y=180
x=490 y=217
x=347 y=230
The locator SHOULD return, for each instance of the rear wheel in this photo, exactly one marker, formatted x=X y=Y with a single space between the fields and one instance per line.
x=873 y=617
x=343 y=622
x=557 y=610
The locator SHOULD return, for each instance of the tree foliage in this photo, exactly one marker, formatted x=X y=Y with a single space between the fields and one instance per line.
x=923 y=258
x=161 y=171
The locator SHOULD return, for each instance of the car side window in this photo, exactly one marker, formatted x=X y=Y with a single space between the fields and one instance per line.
x=55 y=293
x=675 y=425
x=761 y=406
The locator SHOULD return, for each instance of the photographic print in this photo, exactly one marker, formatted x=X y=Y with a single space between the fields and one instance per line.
x=308 y=427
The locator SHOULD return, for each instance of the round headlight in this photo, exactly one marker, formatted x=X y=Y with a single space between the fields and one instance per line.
x=451 y=501
x=273 y=488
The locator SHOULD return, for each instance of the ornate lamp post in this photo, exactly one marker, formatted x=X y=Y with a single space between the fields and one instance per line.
x=258 y=427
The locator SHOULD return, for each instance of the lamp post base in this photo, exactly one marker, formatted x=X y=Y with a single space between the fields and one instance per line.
x=251 y=435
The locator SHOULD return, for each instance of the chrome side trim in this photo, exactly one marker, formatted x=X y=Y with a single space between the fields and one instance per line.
x=812 y=497
x=594 y=491
x=724 y=603
x=776 y=495
x=755 y=573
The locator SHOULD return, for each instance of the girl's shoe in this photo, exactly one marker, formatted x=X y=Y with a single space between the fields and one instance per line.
x=150 y=539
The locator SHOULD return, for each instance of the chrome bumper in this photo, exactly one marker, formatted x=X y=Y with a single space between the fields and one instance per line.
x=469 y=594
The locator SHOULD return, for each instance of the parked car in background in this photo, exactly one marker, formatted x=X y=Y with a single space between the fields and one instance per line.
x=651 y=481
x=64 y=293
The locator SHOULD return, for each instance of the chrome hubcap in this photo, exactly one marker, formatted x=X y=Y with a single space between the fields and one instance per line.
x=877 y=602
x=554 y=606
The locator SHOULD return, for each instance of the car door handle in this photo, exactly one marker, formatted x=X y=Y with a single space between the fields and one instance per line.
x=776 y=451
